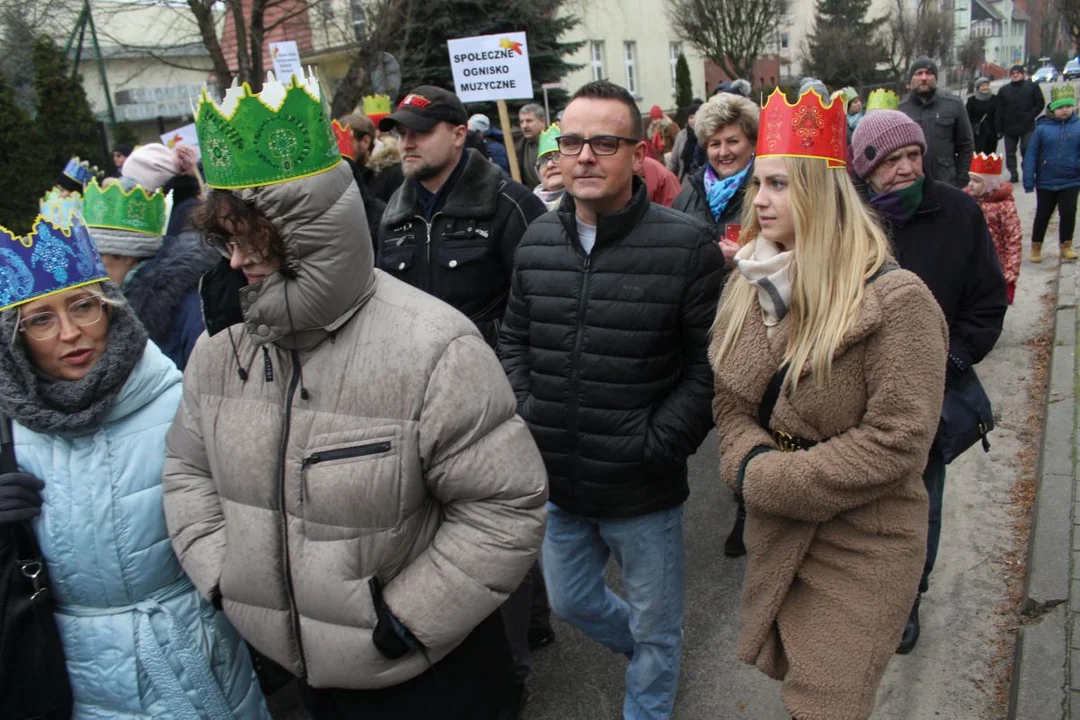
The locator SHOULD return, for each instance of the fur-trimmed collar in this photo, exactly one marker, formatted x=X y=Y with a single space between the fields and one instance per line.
x=474 y=194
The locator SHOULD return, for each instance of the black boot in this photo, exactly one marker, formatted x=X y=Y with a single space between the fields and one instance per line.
x=733 y=546
x=911 y=630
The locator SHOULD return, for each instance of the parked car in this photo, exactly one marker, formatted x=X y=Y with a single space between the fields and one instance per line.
x=1072 y=70
x=1047 y=74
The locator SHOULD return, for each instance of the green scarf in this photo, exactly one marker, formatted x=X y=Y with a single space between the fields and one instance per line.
x=900 y=205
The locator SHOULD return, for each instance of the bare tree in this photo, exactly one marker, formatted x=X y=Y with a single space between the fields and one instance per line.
x=1069 y=11
x=970 y=55
x=910 y=32
x=731 y=33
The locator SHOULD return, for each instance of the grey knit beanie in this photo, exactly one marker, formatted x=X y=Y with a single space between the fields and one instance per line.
x=922 y=63
x=880 y=133
x=810 y=83
x=126 y=243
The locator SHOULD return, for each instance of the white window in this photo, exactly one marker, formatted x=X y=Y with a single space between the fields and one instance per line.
x=674 y=50
x=785 y=41
x=596 y=53
x=630 y=58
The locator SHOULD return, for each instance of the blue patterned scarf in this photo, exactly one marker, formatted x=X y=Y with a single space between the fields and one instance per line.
x=720 y=191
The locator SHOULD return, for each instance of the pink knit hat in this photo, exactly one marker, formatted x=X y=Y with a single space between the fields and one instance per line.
x=880 y=133
x=153 y=165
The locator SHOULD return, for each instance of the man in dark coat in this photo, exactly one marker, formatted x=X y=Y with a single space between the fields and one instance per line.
x=939 y=233
x=605 y=343
x=944 y=123
x=1021 y=102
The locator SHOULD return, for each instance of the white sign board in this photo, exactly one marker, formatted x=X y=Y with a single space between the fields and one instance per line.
x=491 y=67
x=286 y=59
x=184 y=135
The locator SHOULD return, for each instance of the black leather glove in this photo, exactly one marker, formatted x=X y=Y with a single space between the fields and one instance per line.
x=391 y=638
x=20 y=497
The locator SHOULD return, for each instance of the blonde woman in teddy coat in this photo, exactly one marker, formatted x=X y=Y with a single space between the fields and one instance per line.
x=836 y=508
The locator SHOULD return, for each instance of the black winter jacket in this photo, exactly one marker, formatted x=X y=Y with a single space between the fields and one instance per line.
x=983 y=115
x=949 y=140
x=1021 y=103
x=465 y=255
x=693 y=201
x=947 y=244
x=607 y=353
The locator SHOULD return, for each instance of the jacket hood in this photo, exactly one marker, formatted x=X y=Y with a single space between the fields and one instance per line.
x=328 y=271
x=386 y=156
x=160 y=284
x=475 y=193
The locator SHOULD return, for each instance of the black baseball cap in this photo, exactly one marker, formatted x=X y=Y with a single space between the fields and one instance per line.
x=425 y=107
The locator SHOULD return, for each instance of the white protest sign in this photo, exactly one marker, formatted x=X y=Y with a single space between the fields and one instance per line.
x=184 y=135
x=491 y=67
x=286 y=59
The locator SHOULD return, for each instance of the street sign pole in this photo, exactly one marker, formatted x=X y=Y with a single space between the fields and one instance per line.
x=551 y=86
x=547 y=108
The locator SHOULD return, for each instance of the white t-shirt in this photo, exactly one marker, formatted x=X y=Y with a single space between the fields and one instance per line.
x=587 y=234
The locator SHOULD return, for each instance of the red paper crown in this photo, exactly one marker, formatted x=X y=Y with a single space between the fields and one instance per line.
x=984 y=164
x=344 y=136
x=808 y=129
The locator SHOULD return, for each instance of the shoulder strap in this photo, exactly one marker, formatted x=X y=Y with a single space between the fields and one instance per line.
x=772 y=391
x=772 y=394
x=7 y=446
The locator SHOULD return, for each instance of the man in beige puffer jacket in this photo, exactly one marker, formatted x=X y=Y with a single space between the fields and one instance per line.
x=346 y=476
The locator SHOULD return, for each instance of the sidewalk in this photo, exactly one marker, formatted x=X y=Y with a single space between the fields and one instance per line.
x=1046 y=677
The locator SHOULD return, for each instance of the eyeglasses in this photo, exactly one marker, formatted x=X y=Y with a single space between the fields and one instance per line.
x=549 y=159
x=227 y=246
x=46 y=325
x=599 y=144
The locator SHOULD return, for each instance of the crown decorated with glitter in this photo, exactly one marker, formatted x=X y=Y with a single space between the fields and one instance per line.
x=811 y=128
x=52 y=258
x=983 y=164
x=282 y=133
x=1066 y=93
x=376 y=107
x=134 y=210
x=882 y=99
x=549 y=141
x=57 y=209
x=80 y=170
x=344 y=136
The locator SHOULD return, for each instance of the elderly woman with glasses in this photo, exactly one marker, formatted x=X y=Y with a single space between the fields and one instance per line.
x=551 y=187
x=90 y=400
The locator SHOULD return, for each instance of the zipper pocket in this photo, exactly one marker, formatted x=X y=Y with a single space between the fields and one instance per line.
x=343 y=453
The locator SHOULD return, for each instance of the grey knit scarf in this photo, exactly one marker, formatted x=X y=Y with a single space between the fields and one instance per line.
x=47 y=405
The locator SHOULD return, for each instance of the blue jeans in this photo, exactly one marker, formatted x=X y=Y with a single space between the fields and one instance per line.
x=934 y=480
x=647 y=625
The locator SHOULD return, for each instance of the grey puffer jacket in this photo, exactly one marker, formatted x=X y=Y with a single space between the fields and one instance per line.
x=374 y=435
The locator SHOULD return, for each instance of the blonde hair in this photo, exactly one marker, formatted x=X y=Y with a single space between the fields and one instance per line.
x=723 y=110
x=839 y=245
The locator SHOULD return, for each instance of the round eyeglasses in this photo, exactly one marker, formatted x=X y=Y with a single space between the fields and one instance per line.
x=46 y=325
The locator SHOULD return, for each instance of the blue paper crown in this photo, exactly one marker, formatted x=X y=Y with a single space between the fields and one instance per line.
x=58 y=209
x=78 y=170
x=50 y=259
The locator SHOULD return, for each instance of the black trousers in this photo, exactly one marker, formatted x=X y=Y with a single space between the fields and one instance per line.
x=526 y=609
x=986 y=143
x=1045 y=202
x=1011 y=141
x=474 y=682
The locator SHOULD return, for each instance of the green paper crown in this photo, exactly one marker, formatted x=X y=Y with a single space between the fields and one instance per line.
x=548 y=143
x=882 y=99
x=134 y=210
x=281 y=134
x=1061 y=96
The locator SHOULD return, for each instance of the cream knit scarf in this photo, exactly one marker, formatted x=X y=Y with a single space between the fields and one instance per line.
x=767 y=267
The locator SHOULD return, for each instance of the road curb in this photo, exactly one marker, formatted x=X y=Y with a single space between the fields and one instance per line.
x=1040 y=681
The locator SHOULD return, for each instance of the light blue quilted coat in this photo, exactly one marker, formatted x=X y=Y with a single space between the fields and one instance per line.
x=140 y=641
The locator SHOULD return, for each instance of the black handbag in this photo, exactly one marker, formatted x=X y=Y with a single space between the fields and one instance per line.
x=34 y=681
x=966 y=417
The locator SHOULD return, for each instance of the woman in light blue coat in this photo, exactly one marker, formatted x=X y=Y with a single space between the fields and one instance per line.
x=91 y=400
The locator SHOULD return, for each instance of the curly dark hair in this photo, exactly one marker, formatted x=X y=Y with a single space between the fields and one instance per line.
x=224 y=216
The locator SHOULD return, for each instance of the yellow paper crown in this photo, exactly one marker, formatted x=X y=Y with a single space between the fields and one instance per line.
x=376 y=105
x=882 y=99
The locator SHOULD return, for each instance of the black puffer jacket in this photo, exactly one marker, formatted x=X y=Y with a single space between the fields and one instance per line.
x=693 y=201
x=607 y=353
x=464 y=256
x=1021 y=103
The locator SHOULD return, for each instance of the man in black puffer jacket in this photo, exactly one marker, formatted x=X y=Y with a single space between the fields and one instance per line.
x=451 y=229
x=1021 y=101
x=605 y=343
